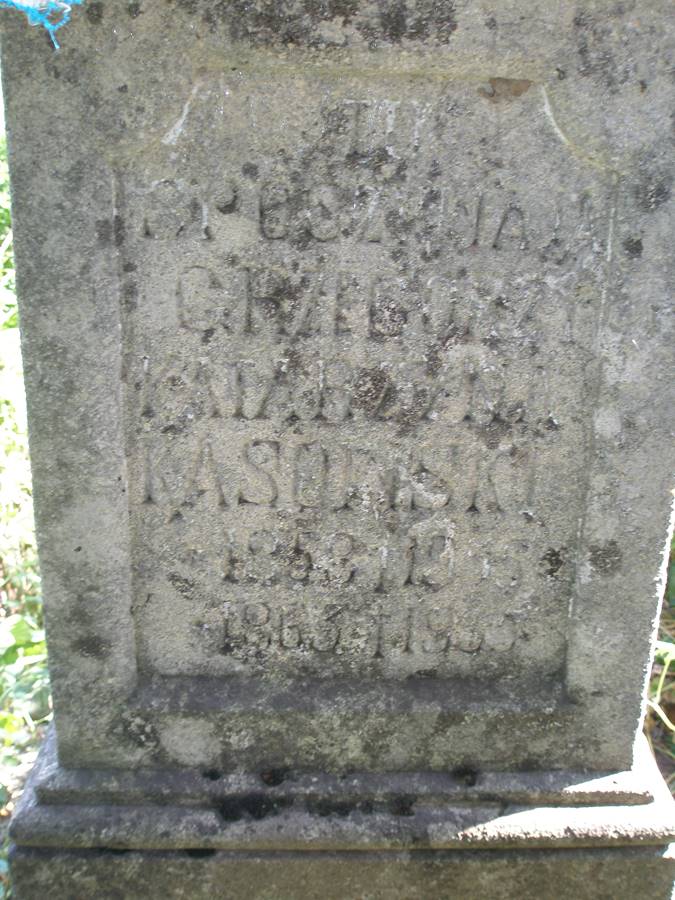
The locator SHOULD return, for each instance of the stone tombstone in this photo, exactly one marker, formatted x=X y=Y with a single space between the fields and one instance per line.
x=346 y=348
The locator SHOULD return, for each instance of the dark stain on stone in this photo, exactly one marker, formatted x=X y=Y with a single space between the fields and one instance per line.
x=94 y=12
x=402 y=805
x=212 y=774
x=130 y=295
x=301 y=239
x=118 y=230
x=387 y=319
x=299 y=24
x=491 y=23
x=270 y=23
x=435 y=170
x=369 y=388
x=250 y=170
x=505 y=89
x=405 y=21
x=424 y=673
x=103 y=231
x=466 y=774
x=393 y=19
x=606 y=558
x=274 y=777
x=652 y=192
x=134 y=10
x=633 y=247
x=226 y=207
x=400 y=173
x=431 y=198
x=399 y=224
x=372 y=159
x=495 y=431
x=200 y=852
x=553 y=560
x=254 y=806
x=92 y=646
x=184 y=586
x=326 y=806
x=433 y=359
x=594 y=51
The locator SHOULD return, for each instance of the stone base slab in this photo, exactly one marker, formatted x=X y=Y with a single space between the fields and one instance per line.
x=193 y=834
x=104 y=874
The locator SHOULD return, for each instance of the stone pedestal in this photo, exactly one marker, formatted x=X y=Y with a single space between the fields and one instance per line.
x=346 y=351
x=103 y=835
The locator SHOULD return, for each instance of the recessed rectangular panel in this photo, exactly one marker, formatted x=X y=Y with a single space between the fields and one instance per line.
x=345 y=330
x=357 y=328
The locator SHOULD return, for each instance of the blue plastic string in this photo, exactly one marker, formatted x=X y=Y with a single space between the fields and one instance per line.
x=51 y=14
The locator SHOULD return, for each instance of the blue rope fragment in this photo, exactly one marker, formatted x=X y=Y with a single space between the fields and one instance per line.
x=51 y=14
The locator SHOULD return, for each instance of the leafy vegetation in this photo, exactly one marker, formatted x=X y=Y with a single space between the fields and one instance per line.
x=24 y=684
x=659 y=725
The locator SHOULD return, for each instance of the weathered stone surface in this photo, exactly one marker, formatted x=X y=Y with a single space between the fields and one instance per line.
x=288 y=811
x=536 y=874
x=345 y=334
x=431 y=833
x=346 y=371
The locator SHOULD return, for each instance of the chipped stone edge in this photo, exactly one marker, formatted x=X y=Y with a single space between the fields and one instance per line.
x=348 y=814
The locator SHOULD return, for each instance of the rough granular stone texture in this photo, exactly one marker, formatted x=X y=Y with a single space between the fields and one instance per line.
x=347 y=349
x=585 y=875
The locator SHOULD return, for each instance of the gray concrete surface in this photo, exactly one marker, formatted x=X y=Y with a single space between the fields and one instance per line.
x=346 y=347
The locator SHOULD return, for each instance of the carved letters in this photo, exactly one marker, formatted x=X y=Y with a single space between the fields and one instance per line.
x=305 y=305
x=293 y=475
x=421 y=558
x=342 y=389
x=325 y=213
x=423 y=630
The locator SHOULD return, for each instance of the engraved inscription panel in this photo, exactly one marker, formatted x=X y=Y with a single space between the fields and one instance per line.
x=358 y=339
